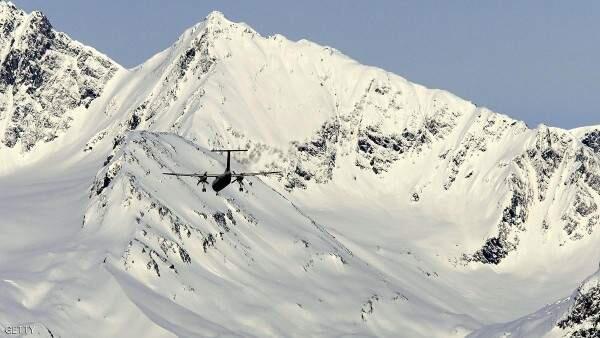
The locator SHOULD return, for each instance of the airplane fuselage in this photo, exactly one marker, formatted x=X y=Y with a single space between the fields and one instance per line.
x=222 y=181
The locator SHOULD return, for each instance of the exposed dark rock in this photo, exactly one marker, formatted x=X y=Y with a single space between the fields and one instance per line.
x=315 y=158
x=381 y=149
x=585 y=310
x=513 y=219
x=516 y=212
x=546 y=156
x=87 y=96
x=186 y=59
x=221 y=221
x=592 y=140
x=492 y=252
x=368 y=307
x=230 y=217
x=185 y=257
x=208 y=242
x=134 y=122
x=105 y=183
x=152 y=265
x=365 y=146
x=107 y=161
x=44 y=76
x=22 y=67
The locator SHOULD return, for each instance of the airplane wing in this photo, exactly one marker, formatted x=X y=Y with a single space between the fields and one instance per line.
x=260 y=173
x=192 y=175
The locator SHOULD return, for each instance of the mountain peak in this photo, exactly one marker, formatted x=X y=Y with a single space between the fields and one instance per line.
x=206 y=33
x=216 y=22
x=216 y=17
x=7 y=5
x=419 y=188
x=9 y=12
x=38 y=62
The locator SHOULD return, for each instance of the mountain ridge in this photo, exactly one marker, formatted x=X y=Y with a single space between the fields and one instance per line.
x=436 y=196
x=44 y=77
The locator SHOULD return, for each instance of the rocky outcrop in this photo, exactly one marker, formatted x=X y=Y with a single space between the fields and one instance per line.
x=45 y=77
x=592 y=140
x=583 y=317
x=555 y=166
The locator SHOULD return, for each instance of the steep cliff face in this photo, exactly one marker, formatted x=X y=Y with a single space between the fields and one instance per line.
x=45 y=78
x=583 y=317
x=554 y=186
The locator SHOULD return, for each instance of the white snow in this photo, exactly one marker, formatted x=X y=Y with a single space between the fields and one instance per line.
x=98 y=243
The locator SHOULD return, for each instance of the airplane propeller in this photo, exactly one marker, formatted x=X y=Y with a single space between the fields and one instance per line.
x=203 y=179
x=240 y=181
x=223 y=180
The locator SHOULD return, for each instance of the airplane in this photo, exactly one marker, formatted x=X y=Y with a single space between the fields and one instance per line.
x=223 y=180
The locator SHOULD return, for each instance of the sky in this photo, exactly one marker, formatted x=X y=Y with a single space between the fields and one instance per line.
x=534 y=60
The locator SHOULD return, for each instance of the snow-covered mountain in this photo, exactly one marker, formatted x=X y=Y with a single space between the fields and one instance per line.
x=45 y=78
x=403 y=211
x=575 y=316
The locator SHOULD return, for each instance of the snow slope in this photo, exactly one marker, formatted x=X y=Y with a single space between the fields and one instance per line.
x=397 y=201
x=575 y=316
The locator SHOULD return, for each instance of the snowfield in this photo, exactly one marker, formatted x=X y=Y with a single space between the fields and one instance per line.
x=403 y=211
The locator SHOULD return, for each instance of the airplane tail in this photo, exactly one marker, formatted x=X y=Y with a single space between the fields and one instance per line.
x=228 y=154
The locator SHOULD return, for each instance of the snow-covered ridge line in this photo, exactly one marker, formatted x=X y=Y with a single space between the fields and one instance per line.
x=45 y=78
x=575 y=316
x=397 y=201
